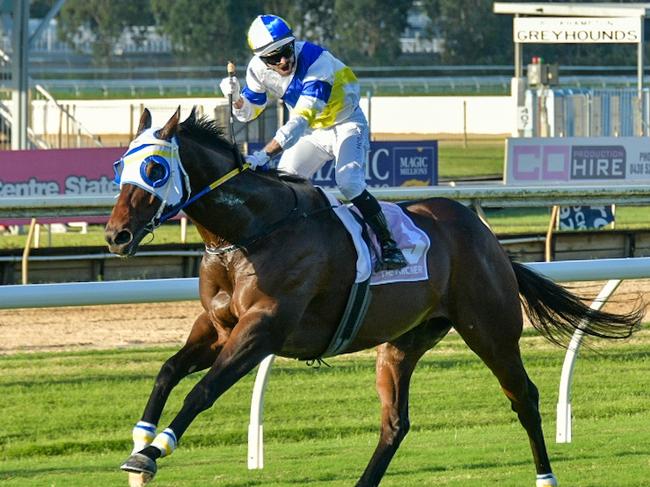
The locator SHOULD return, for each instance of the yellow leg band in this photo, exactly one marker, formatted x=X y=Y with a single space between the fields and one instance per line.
x=165 y=442
x=143 y=434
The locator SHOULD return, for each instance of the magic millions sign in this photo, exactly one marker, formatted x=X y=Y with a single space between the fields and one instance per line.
x=390 y=164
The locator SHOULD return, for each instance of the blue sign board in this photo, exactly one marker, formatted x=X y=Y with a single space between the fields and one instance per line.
x=390 y=164
x=585 y=217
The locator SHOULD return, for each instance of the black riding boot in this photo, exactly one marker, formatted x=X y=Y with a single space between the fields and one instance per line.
x=391 y=255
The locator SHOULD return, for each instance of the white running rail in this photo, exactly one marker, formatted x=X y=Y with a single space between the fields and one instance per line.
x=158 y=290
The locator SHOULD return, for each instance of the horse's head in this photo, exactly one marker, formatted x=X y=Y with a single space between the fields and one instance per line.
x=153 y=185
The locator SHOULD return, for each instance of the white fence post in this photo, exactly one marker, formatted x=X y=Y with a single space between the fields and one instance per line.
x=256 y=424
x=563 y=427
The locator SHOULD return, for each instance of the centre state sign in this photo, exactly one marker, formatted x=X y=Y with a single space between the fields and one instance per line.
x=577 y=30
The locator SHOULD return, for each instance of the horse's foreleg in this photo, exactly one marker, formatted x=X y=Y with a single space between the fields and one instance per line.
x=250 y=341
x=395 y=364
x=198 y=353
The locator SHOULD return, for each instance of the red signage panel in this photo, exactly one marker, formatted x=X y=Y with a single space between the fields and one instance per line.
x=33 y=173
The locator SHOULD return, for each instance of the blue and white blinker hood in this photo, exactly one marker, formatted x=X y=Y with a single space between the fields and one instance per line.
x=154 y=165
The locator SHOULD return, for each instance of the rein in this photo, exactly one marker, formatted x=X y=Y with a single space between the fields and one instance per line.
x=187 y=199
x=214 y=185
x=242 y=166
x=293 y=215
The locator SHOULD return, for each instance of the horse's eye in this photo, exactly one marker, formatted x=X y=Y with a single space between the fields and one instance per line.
x=155 y=171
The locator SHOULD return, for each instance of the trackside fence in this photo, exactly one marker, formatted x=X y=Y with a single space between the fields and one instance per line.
x=159 y=290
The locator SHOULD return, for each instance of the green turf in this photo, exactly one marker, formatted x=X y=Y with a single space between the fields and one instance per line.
x=66 y=420
x=482 y=158
x=167 y=234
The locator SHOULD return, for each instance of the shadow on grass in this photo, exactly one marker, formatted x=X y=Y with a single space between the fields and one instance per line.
x=34 y=471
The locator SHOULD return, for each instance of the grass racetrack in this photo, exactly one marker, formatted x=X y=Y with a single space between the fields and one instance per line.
x=67 y=416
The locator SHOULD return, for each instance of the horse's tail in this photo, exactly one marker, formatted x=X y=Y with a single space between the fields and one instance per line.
x=557 y=313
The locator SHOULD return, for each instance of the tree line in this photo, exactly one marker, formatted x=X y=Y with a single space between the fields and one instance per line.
x=361 y=32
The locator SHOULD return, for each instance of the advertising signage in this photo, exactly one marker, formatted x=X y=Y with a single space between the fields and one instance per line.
x=62 y=172
x=585 y=217
x=89 y=171
x=577 y=30
x=31 y=173
x=577 y=160
x=390 y=164
x=592 y=161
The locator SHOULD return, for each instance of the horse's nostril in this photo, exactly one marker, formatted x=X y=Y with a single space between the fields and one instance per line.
x=123 y=237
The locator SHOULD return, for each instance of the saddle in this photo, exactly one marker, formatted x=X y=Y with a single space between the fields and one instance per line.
x=414 y=244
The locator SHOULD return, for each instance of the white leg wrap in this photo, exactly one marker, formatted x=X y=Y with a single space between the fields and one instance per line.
x=546 y=480
x=143 y=435
x=165 y=442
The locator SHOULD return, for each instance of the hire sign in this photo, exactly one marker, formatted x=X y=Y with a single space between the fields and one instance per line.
x=577 y=160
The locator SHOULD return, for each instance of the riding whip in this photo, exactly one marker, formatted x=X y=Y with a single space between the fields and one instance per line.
x=231 y=73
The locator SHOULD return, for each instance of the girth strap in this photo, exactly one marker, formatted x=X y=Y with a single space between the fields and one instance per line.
x=355 y=310
x=353 y=316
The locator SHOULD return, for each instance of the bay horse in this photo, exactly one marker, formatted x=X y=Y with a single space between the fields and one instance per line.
x=277 y=271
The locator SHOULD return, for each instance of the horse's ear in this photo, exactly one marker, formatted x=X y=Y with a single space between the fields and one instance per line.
x=192 y=117
x=169 y=130
x=145 y=121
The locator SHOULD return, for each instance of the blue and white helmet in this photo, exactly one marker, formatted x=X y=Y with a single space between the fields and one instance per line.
x=268 y=33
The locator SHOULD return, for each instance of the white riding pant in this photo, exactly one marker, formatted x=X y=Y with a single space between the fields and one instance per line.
x=347 y=143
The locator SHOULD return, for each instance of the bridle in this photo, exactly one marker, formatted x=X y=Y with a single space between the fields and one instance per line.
x=152 y=150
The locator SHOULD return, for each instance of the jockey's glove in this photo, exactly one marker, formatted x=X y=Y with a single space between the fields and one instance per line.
x=257 y=159
x=230 y=86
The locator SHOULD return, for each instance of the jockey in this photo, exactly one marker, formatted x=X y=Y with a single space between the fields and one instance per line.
x=325 y=123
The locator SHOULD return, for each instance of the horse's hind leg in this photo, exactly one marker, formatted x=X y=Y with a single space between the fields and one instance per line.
x=524 y=400
x=395 y=364
x=499 y=349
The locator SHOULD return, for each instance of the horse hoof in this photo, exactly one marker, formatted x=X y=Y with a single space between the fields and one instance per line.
x=141 y=469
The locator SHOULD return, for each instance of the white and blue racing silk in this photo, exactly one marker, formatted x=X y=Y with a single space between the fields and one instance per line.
x=321 y=92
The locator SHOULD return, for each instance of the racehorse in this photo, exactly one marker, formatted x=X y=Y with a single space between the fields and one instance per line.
x=277 y=271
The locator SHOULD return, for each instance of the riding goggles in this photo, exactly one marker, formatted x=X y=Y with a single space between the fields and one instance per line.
x=275 y=57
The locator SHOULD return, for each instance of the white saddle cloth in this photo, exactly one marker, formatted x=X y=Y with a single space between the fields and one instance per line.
x=413 y=242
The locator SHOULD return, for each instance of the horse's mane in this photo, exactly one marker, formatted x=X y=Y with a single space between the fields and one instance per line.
x=205 y=131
